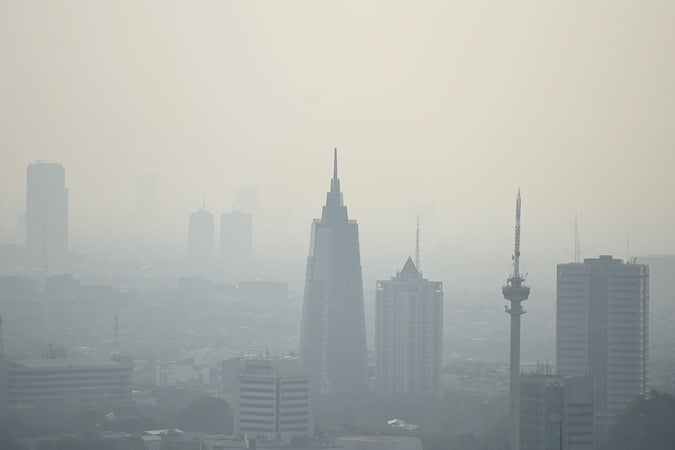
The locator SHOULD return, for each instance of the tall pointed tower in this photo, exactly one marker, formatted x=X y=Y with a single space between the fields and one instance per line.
x=515 y=292
x=333 y=331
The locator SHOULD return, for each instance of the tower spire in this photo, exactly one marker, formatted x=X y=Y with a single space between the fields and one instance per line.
x=577 y=246
x=116 y=338
x=516 y=251
x=417 y=245
x=2 y=342
x=335 y=173
x=515 y=292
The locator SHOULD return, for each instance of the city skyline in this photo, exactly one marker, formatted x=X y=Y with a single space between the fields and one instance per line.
x=576 y=142
x=167 y=284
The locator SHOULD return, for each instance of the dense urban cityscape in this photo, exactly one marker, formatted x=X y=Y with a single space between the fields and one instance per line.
x=179 y=269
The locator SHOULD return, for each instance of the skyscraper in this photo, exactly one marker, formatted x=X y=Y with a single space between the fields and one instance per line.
x=408 y=334
x=236 y=239
x=556 y=413
x=46 y=213
x=333 y=331
x=201 y=239
x=602 y=330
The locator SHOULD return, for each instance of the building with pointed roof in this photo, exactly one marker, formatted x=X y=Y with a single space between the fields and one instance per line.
x=409 y=334
x=333 y=330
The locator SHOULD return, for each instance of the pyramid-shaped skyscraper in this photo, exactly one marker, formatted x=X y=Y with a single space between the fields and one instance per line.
x=333 y=333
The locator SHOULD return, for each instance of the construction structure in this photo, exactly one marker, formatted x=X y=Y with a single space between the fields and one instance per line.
x=515 y=292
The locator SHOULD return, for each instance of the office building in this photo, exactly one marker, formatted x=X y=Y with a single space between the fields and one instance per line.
x=201 y=238
x=46 y=214
x=333 y=330
x=556 y=413
x=54 y=382
x=408 y=334
x=273 y=402
x=603 y=330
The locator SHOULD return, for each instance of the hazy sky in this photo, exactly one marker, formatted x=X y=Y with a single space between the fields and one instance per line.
x=454 y=103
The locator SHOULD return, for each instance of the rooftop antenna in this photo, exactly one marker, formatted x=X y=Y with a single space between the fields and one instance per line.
x=577 y=247
x=628 y=260
x=2 y=342
x=417 y=245
x=116 y=338
x=44 y=248
x=335 y=173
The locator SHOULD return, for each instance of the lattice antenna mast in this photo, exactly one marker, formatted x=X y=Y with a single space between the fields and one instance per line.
x=516 y=253
x=2 y=341
x=116 y=338
x=417 y=245
x=577 y=247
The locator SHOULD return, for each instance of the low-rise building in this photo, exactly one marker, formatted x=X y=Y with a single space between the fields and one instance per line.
x=30 y=383
x=273 y=403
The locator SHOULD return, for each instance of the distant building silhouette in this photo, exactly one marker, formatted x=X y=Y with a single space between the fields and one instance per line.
x=236 y=239
x=46 y=213
x=201 y=238
x=408 y=334
x=333 y=331
x=556 y=413
x=603 y=330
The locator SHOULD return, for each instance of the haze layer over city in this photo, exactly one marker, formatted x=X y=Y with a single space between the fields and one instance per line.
x=186 y=151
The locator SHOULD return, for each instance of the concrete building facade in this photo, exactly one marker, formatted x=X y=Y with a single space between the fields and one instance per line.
x=48 y=382
x=201 y=238
x=602 y=330
x=556 y=413
x=333 y=329
x=273 y=403
x=408 y=334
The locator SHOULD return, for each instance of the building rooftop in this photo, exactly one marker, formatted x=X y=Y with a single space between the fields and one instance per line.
x=55 y=363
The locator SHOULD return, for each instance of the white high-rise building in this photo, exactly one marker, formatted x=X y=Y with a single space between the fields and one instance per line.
x=273 y=402
x=408 y=334
x=201 y=238
x=602 y=330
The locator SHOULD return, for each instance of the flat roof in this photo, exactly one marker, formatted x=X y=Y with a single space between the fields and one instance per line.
x=56 y=363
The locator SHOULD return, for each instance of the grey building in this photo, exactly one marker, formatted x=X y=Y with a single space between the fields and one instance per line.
x=333 y=330
x=408 y=334
x=602 y=330
x=54 y=382
x=46 y=213
x=556 y=413
x=201 y=238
